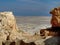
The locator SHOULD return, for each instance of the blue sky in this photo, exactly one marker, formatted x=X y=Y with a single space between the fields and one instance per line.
x=29 y=7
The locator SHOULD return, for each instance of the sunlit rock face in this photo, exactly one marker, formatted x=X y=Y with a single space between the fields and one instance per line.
x=55 y=21
x=7 y=24
x=7 y=21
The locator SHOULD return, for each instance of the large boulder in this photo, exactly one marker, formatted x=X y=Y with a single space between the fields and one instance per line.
x=7 y=21
x=7 y=24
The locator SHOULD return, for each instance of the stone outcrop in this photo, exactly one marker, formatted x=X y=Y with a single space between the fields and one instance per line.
x=8 y=21
x=55 y=21
x=52 y=34
x=7 y=24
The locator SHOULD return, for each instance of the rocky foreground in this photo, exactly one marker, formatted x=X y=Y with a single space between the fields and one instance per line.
x=23 y=33
x=26 y=34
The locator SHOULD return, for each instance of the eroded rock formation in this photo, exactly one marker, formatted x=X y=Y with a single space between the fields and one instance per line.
x=52 y=34
x=7 y=24
x=55 y=21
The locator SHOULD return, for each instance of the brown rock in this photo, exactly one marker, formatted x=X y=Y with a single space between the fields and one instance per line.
x=55 y=21
x=49 y=32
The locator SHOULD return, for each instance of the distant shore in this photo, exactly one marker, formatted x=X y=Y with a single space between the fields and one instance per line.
x=33 y=19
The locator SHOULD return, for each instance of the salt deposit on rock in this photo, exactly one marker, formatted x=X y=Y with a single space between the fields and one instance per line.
x=7 y=24
x=9 y=29
x=55 y=21
x=7 y=21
